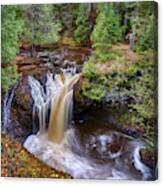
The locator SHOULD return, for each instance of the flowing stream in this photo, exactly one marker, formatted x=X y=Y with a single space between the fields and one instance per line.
x=7 y=107
x=85 y=150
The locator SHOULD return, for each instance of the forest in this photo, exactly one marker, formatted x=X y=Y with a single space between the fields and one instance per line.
x=113 y=46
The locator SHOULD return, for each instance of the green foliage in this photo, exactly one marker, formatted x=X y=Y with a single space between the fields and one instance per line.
x=12 y=26
x=93 y=91
x=90 y=70
x=148 y=39
x=144 y=24
x=135 y=82
x=9 y=77
x=138 y=86
x=42 y=28
x=144 y=93
x=83 y=25
x=127 y=82
x=106 y=31
x=92 y=87
x=94 y=84
x=108 y=72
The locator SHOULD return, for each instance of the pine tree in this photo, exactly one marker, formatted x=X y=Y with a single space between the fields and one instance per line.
x=144 y=24
x=83 y=25
x=106 y=31
x=43 y=28
x=11 y=28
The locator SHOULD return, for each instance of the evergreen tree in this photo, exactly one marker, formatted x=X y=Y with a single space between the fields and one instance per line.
x=83 y=25
x=147 y=39
x=144 y=24
x=11 y=28
x=106 y=31
x=43 y=28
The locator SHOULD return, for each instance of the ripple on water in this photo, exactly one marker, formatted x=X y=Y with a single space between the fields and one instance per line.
x=99 y=155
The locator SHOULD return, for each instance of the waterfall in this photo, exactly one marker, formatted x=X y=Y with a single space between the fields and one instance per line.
x=80 y=151
x=7 y=107
x=58 y=93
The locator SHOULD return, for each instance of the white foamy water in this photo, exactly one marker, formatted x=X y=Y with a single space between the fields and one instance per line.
x=63 y=157
x=57 y=89
x=101 y=155
x=7 y=107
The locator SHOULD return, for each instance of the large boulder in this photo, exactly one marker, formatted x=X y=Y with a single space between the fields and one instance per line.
x=21 y=124
x=23 y=97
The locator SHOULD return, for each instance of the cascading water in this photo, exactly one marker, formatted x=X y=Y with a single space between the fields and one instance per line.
x=80 y=151
x=7 y=108
x=58 y=92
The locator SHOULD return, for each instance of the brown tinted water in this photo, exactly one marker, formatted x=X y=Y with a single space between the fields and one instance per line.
x=92 y=147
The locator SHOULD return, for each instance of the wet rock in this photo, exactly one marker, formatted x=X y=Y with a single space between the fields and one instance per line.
x=24 y=61
x=26 y=64
x=21 y=125
x=149 y=157
x=79 y=68
x=25 y=69
x=61 y=56
x=19 y=131
x=25 y=53
x=23 y=97
x=43 y=56
x=68 y=63
x=56 y=57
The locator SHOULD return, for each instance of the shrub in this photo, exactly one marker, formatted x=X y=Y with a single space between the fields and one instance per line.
x=90 y=70
x=9 y=77
x=93 y=91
